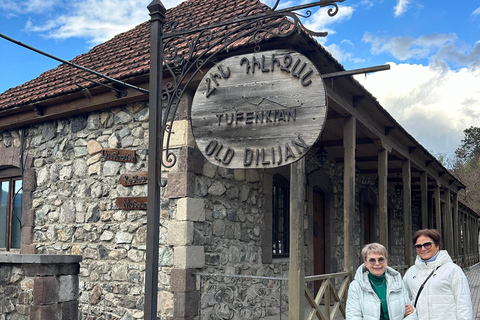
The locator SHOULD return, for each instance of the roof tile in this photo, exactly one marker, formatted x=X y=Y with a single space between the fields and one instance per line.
x=125 y=55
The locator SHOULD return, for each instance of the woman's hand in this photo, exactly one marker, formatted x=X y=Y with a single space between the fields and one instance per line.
x=408 y=309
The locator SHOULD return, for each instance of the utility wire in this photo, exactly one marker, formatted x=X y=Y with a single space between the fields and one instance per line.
x=74 y=65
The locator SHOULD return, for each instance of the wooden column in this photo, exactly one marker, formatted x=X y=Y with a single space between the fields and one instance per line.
x=349 y=251
x=296 y=273
x=448 y=234
x=424 y=199
x=469 y=234
x=383 y=192
x=407 y=211
x=438 y=209
x=456 y=228
x=464 y=240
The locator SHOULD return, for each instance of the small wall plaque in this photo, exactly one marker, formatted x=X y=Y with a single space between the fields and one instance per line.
x=132 y=203
x=120 y=155
x=134 y=178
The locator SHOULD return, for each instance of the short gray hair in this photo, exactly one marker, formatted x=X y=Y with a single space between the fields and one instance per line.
x=374 y=248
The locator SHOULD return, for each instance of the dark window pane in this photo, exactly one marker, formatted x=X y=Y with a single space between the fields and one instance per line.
x=17 y=215
x=3 y=213
x=280 y=216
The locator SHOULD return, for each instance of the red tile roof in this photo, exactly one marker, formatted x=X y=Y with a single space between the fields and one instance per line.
x=125 y=55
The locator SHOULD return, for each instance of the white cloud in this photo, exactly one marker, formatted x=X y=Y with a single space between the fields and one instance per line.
x=436 y=47
x=28 y=6
x=343 y=55
x=320 y=20
x=404 y=48
x=433 y=103
x=94 y=20
x=401 y=7
x=476 y=12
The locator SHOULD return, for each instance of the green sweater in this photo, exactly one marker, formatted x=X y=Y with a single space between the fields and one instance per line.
x=379 y=285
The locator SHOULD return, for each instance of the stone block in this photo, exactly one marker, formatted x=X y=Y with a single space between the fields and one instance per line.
x=45 y=290
x=26 y=235
x=189 y=159
x=33 y=270
x=180 y=185
x=267 y=185
x=185 y=304
x=239 y=174
x=180 y=233
x=27 y=249
x=44 y=312
x=68 y=310
x=67 y=288
x=28 y=218
x=28 y=182
x=191 y=209
x=69 y=268
x=165 y=301
x=188 y=257
x=181 y=135
x=182 y=280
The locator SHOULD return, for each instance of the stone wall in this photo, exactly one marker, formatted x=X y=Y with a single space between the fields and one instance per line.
x=36 y=287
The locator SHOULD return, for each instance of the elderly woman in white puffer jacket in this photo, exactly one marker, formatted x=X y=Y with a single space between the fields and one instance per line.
x=378 y=292
x=444 y=292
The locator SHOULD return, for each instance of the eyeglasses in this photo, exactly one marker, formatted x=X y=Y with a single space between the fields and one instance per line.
x=426 y=245
x=380 y=260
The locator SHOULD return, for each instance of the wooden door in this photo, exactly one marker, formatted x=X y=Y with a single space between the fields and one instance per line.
x=318 y=235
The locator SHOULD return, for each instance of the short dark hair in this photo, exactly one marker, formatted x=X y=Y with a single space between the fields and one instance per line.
x=431 y=233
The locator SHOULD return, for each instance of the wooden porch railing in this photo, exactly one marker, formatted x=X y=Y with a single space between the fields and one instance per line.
x=326 y=292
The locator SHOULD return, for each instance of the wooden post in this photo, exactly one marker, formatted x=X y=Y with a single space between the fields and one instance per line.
x=296 y=274
x=438 y=209
x=383 y=196
x=456 y=227
x=464 y=242
x=424 y=199
x=407 y=211
x=448 y=223
x=349 y=136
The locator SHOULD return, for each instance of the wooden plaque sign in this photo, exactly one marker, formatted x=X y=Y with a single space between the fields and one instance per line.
x=121 y=155
x=131 y=179
x=131 y=203
x=259 y=110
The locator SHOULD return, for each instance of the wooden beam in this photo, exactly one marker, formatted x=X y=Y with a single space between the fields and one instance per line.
x=424 y=199
x=407 y=212
x=438 y=209
x=55 y=108
x=349 y=216
x=378 y=129
x=456 y=228
x=383 y=196
x=449 y=236
x=296 y=273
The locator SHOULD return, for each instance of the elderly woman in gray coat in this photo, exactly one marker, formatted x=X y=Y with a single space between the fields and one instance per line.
x=378 y=292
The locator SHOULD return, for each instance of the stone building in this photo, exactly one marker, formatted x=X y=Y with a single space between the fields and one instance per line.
x=367 y=179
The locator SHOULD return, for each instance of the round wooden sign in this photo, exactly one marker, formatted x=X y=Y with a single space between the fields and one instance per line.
x=259 y=110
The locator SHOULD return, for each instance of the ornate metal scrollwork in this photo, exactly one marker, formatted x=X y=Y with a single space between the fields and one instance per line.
x=186 y=52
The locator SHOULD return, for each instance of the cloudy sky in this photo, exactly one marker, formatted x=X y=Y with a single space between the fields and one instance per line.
x=433 y=47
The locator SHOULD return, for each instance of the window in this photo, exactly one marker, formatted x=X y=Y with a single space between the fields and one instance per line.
x=10 y=208
x=280 y=216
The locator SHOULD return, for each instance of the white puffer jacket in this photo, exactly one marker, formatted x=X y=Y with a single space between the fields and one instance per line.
x=364 y=304
x=446 y=294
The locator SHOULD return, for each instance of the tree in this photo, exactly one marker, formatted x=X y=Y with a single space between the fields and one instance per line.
x=467 y=167
x=470 y=145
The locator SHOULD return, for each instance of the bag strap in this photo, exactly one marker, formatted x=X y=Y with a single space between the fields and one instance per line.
x=423 y=285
